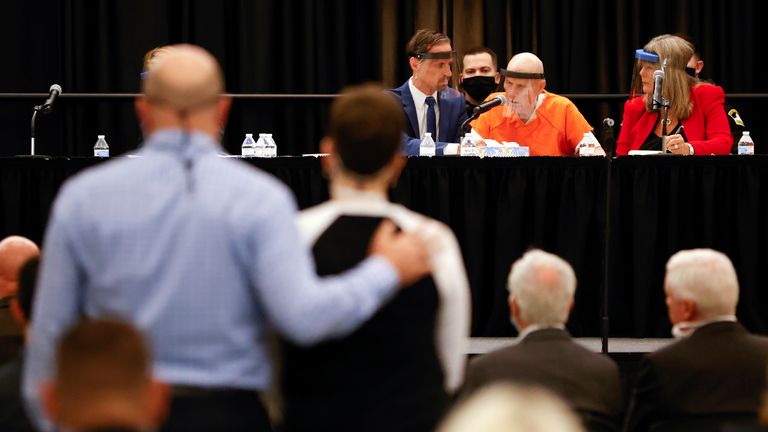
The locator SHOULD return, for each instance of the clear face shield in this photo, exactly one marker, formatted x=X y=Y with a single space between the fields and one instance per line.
x=650 y=61
x=522 y=91
x=439 y=69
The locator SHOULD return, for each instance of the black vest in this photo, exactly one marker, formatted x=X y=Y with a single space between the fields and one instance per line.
x=386 y=375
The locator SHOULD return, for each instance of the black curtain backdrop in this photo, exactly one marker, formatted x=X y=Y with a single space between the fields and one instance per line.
x=498 y=208
x=320 y=46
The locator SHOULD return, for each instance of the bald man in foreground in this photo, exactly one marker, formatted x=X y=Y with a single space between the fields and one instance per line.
x=550 y=125
x=14 y=252
x=200 y=253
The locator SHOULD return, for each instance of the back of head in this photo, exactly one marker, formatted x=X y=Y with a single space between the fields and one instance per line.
x=184 y=79
x=100 y=362
x=543 y=285
x=14 y=252
x=512 y=408
x=366 y=125
x=707 y=277
x=423 y=40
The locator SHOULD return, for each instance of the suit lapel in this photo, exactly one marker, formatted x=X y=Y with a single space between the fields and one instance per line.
x=410 y=109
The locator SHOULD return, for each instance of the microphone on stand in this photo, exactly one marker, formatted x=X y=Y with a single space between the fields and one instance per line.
x=45 y=108
x=658 y=81
x=487 y=105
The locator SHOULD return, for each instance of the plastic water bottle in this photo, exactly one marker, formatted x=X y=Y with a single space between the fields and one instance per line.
x=261 y=144
x=427 y=146
x=248 y=149
x=101 y=149
x=587 y=145
x=468 y=147
x=270 y=147
x=746 y=145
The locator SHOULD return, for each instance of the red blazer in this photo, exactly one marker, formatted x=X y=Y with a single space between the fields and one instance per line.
x=706 y=128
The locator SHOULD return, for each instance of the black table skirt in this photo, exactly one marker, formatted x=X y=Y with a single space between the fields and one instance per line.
x=498 y=208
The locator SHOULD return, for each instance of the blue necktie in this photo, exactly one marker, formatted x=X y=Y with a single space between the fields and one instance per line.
x=431 y=117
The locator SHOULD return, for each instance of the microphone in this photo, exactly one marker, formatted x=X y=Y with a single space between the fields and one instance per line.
x=47 y=106
x=658 y=80
x=485 y=106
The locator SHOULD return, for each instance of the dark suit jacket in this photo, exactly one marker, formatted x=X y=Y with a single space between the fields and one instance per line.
x=719 y=369
x=13 y=417
x=549 y=357
x=452 y=114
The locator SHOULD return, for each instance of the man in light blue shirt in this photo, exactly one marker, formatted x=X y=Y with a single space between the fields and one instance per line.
x=202 y=254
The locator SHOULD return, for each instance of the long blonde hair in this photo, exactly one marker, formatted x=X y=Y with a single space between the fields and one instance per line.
x=677 y=83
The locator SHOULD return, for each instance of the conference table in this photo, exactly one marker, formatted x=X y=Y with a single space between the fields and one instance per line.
x=617 y=221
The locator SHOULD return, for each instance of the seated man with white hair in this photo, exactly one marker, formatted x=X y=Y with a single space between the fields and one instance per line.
x=716 y=368
x=541 y=288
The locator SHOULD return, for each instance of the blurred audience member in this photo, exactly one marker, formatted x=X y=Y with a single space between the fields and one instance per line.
x=541 y=289
x=395 y=372
x=13 y=416
x=14 y=252
x=716 y=368
x=103 y=380
x=206 y=265
x=512 y=408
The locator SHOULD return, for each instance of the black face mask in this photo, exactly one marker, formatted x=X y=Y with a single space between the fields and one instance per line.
x=690 y=71
x=479 y=87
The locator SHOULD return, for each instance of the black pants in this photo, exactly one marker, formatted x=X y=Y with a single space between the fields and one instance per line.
x=194 y=409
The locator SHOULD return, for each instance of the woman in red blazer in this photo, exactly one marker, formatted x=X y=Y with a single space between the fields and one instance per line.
x=696 y=121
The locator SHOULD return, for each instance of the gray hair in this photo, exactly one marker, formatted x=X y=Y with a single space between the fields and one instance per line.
x=543 y=285
x=508 y=407
x=705 y=276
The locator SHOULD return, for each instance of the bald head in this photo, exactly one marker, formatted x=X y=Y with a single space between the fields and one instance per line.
x=15 y=251
x=185 y=78
x=184 y=91
x=526 y=63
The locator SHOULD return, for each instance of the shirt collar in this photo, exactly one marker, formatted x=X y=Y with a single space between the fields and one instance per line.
x=535 y=327
x=687 y=328
x=418 y=96
x=346 y=193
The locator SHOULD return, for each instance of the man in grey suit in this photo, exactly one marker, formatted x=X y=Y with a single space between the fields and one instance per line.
x=716 y=371
x=541 y=287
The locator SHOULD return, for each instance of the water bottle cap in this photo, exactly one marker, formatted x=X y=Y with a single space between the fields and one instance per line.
x=269 y=135
x=745 y=133
x=428 y=134
x=101 y=136
x=249 y=135
x=262 y=134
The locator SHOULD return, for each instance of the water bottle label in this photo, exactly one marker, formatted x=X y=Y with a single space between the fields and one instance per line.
x=746 y=150
x=427 y=151
x=248 y=152
x=101 y=153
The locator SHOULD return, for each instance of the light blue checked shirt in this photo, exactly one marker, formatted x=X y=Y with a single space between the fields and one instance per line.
x=202 y=254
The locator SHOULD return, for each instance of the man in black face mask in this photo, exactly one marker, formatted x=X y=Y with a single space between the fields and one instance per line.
x=479 y=76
